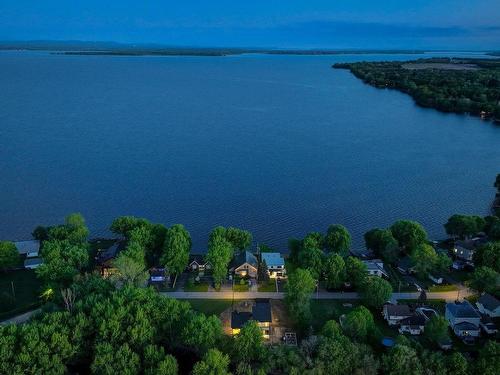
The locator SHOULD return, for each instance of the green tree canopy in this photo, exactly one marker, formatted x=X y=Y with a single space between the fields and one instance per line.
x=376 y=291
x=298 y=291
x=485 y=279
x=359 y=323
x=409 y=234
x=157 y=363
x=488 y=255
x=109 y=360
x=213 y=363
x=176 y=250
x=356 y=271
x=219 y=254
x=488 y=362
x=424 y=258
x=464 y=226
x=62 y=261
x=383 y=244
x=338 y=239
x=9 y=256
x=311 y=259
x=248 y=344
x=335 y=271
x=123 y=225
x=436 y=329
x=402 y=360
x=129 y=271
x=202 y=332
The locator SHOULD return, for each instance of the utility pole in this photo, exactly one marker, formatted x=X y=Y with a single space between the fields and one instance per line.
x=13 y=291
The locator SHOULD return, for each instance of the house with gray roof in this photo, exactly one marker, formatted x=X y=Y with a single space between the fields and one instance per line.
x=32 y=263
x=394 y=314
x=261 y=313
x=463 y=319
x=30 y=248
x=375 y=267
x=275 y=264
x=489 y=305
x=244 y=264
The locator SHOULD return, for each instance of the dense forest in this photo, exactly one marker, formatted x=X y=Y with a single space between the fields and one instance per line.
x=449 y=85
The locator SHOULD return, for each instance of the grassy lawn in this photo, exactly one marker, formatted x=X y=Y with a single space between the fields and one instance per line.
x=26 y=290
x=443 y=288
x=324 y=310
x=270 y=286
x=210 y=306
x=240 y=288
x=201 y=287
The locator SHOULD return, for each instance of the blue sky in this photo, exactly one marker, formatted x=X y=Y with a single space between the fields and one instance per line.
x=436 y=24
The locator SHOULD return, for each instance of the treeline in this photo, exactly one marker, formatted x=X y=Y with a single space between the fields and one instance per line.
x=449 y=90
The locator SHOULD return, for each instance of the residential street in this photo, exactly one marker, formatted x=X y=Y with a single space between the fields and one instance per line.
x=448 y=296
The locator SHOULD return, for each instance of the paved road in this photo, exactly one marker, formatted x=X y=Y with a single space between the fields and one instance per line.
x=448 y=296
x=20 y=318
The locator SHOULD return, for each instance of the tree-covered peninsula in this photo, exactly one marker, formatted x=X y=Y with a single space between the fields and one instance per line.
x=446 y=84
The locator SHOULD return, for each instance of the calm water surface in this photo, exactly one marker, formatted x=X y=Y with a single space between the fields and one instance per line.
x=279 y=145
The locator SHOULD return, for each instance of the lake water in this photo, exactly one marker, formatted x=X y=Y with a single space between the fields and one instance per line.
x=279 y=145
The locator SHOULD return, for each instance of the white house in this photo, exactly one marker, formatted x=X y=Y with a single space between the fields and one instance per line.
x=414 y=325
x=275 y=264
x=463 y=319
x=375 y=267
x=198 y=263
x=244 y=264
x=30 y=248
x=488 y=305
x=394 y=314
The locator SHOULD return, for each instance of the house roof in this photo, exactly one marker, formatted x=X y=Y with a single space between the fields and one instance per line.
x=398 y=310
x=25 y=247
x=405 y=263
x=198 y=258
x=462 y=310
x=489 y=302
x=239 y=319
x=414 y=320
x=261 y=311
x=465 y=326
x=244 y=257
x=33 y=261
x=110 y=252
x=467 y=244
x=273 y=259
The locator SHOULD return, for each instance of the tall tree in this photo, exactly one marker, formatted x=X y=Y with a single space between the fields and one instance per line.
x=485 y=279
x=298 y=291
x=376 y=291
x=219 y=255
x=157 y=363
x=424 y=259
x=123 y=225
x=464 y=226
x=240 y=238
x=359 y=323
x=62 y=261
x=402 y=360
x=488 y=255
x=111 y=361
x=311 y=259
x=488 y=362
x=248 y=344
x=263 y=272
x=436 y=329
x=9 y=256
x=409 y=234
x=176 y=250
x=129 y=271
x=356 y=271
x=202 y=332
x=383 y=244
x=335 y=271
x=213 y=363
x=338 y=239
